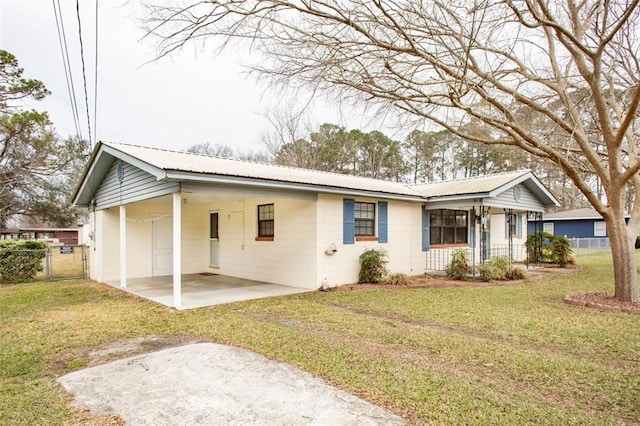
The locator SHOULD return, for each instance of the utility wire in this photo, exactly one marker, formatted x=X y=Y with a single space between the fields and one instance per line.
x=84 y=74
x=64 y=51
x=95 y=85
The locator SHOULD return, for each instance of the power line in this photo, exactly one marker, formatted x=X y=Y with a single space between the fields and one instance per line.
x=84 y=74
x=95 y=85
x=64 y=51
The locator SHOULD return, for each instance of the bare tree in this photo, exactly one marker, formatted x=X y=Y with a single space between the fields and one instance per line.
x=453 y=62
x=215 y=150
x=289 y=124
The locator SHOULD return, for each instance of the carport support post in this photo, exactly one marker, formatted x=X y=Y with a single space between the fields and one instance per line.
x=177 y=250
x=123 y=246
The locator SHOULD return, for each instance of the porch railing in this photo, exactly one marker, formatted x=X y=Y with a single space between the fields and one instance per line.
x=437 y=259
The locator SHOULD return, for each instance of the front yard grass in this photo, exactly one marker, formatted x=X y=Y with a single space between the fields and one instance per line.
x=485 y=355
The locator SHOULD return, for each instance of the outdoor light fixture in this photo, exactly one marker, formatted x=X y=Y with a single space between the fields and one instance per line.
x=332 y=249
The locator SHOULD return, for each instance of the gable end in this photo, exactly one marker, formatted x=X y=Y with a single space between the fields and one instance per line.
x=124 y=184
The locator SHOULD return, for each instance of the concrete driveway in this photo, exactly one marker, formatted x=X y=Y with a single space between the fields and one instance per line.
x=206 y=384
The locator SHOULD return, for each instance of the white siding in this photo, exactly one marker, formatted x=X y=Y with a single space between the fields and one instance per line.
x=289 y=259
x=105 y=265
x=499 y=238
x=404 y=245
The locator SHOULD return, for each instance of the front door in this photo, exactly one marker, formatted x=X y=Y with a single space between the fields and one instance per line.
x=214 y=240
x=162 y=230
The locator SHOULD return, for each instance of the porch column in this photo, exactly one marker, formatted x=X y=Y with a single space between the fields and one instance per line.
x=123 y=246
x=177 y=250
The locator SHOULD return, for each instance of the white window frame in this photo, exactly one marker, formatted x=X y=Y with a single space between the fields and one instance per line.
x=548 y=227
x=599 y=229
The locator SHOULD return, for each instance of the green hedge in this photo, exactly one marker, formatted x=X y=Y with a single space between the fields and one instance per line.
x=20 y=260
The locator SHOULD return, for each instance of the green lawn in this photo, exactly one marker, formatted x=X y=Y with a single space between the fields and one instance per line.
x=487 y=355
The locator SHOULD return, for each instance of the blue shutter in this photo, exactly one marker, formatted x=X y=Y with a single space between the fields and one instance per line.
x=425 y=230
x=348 y=221
x=383 y=230
x=519 y=225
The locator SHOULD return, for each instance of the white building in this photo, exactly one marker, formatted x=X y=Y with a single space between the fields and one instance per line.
x=157 y=212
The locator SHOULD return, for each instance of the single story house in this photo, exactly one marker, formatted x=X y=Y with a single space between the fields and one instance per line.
x=56 y=236
x=157 y=212
x=579 y=223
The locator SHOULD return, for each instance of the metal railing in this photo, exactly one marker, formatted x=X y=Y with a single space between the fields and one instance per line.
x=437 y=259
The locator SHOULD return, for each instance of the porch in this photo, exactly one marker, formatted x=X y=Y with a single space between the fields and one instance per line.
x=438 y=259
x=200 y=290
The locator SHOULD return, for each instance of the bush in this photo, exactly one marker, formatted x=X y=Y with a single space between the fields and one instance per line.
x=459 y=266
x=545 y=247
x=373 y=266
x=396 y=279
x=20 y=260
x=497 y=268
x=500 y=268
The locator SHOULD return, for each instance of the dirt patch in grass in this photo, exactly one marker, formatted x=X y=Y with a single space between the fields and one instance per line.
x=79 y=358
x=136 y=346
x=602 y=302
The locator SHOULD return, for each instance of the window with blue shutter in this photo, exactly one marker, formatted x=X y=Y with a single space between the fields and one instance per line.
x=520 y=224
x=513 y=225
x=348 y=221
x=425 y=230
x=383 y=231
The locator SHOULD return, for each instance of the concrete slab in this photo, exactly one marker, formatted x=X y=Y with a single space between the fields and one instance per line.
x=199 y=290
x=206 y=383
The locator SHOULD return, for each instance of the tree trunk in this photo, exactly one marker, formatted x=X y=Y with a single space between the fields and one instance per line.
x=623 y=251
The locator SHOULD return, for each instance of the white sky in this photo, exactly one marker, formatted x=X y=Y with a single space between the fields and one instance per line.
x=173 y=103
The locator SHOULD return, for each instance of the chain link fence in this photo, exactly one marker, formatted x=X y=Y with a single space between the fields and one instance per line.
x=51 y=264
x=588 y=245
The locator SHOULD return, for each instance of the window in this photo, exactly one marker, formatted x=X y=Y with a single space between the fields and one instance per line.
x=265 y=220
x=213 y=225
x=513 y=224
x=365 y=216
x=548 y=227
x=599 y=229
x=448 y=226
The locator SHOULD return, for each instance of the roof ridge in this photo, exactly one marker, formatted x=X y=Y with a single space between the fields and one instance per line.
x=281 y=166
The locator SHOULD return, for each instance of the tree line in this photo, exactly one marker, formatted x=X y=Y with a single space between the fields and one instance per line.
x=421 y=157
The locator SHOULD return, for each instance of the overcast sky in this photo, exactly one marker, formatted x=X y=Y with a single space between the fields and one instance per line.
x=176 y=102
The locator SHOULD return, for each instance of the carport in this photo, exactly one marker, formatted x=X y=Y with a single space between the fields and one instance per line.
x=200 y=290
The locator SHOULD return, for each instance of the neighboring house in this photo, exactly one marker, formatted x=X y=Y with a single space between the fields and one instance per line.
x=157 y=212
x=580 y=223
x=56 y=236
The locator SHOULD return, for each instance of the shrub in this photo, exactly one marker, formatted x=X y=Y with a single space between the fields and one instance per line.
x=500 y=268
x=459 y=266
x=518 y=274
x=545 y=247
x=20 y=260
x=396 y=279
x=561 y=250
x=373 y=266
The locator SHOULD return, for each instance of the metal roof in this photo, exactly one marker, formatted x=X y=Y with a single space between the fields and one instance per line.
x=468 y=186
x=184 y=167
x=578 y=214
x=487 y=186
x=176 y=161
